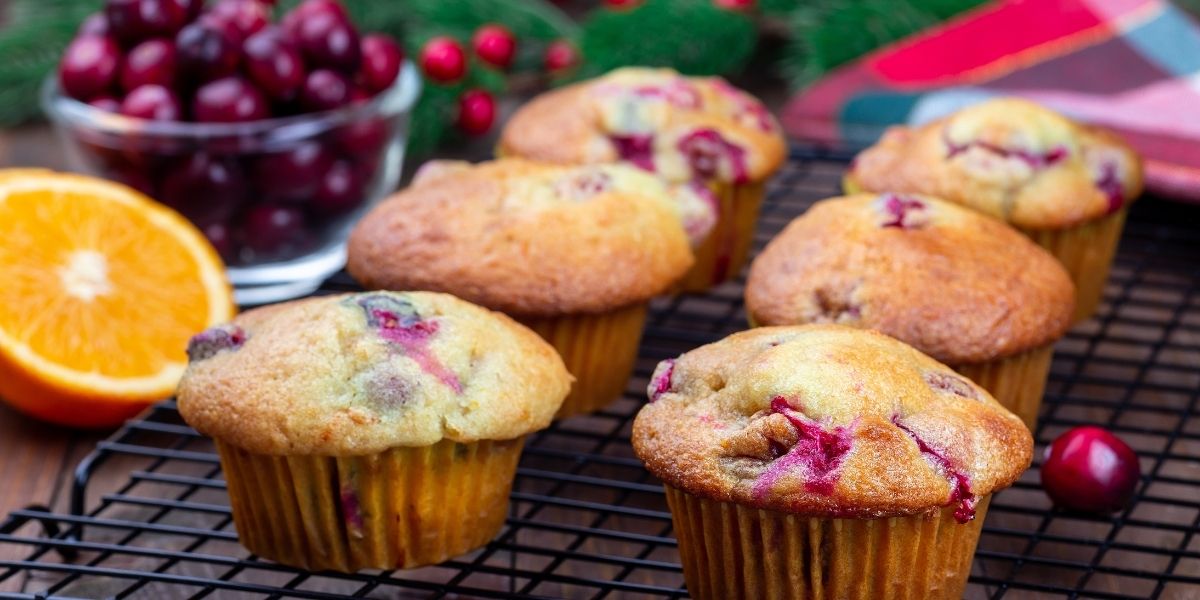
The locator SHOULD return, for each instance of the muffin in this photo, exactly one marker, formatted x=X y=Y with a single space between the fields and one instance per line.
x=692 y=131
x=375 y=430
x=573 y=252
x=822 y=461
x=1066 y=185
x=967 y=290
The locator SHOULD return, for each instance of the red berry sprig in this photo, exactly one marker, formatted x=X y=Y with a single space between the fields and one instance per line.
x=476 y=112
x=495 y=45
x=560 y=56
x=443 y=60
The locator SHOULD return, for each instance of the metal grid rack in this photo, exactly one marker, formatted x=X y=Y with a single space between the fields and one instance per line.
x=587 y=521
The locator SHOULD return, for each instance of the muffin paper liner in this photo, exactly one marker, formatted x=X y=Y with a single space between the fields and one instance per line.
x=1087 y=253
x=1016 y=382
x=732 y=551
x=722 y=256
x=598 y=349
x=400 y=508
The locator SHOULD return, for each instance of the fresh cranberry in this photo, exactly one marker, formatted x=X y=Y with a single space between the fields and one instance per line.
x=273 y=229
x=560 y=56
x=229 y=100
x=292 y=175
x=341 y=189
x=382 y=58
x=152 y=61
x=363 y=138
x=206 y=189
x=132 y=21
x=324 y=90
x=243 y=18
x=152 y=102
x=330 y=42
x=476 y=112
x=94 y=24
x=205 y=52
x=495 y=44
x=106 y=103
x=193 y=8
x=89 y=66
x=274 y=63
x=1090 y=469
x=291 y=21
x=221 y=238
x=443 y=60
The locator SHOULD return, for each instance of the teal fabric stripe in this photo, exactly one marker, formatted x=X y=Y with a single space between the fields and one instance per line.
x=864 y=117
x=1170 y=39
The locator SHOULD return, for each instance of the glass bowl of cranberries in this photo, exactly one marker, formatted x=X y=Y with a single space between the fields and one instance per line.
x=272 y=137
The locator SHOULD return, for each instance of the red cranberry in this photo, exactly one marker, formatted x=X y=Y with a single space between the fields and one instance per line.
x=381 y=61
x=132 y=21
x=324 y=90
x=206 y=189
x=329 y=42
x=495 y=44
x=193 y=8
x=735 y=4
x=560 y=55
x=292 y=175
x=153 y=102
x=89 y=66
x=242 y=18
x=274 y=63
x=152 y=61
x=362 y=139
x=229 y=100
x=205 y=52
x=106 y=103
x=94 y=24
x=221 y=238
x=443 y=60
x=341 y=189
x=291 y=21
x=476 y=112
x=134 y=178
x=272 y=229
x=1090 y=469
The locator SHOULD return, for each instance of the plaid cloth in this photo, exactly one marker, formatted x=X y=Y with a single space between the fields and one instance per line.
x=1129 y=65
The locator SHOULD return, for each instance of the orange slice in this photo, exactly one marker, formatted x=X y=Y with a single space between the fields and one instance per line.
x=100 y=289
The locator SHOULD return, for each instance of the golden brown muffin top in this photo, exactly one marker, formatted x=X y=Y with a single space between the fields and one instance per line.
x=956 y=285
x=681 y=128
x=827 y=421
x=361 y=373
x=1008 y=158
x=526 y=238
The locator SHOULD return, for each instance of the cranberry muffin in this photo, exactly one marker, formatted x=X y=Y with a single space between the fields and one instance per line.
x=822 y=461
x=1066 y=185
x=963 y=288
x=695 y=131
x=375 y=430
x=573 y=252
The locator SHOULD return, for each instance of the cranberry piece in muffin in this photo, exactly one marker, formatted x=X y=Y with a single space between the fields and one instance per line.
x=209 y=342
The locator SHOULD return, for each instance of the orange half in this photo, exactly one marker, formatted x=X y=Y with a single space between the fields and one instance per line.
x=100 y=289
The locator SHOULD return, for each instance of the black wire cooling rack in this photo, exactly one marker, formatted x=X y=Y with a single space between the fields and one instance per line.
x=588 y=522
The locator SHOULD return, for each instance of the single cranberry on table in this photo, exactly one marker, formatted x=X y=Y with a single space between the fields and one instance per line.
x=324 y=89
x=274 y=229
x=152 y=102
x=330 y=42
x=1089 y=469
x=274 y=64
x=495 y=44
x=229 y=100
x=205 y=52
x=94 y=24
x=560 y=55
x=89 y=67
x=341 y=189
x=205 y=188
x=292 y=175
x=242 y=18
x=132 y=21
x=443 y=59
x=150 y=62
x=476 y=112
x=382 y=58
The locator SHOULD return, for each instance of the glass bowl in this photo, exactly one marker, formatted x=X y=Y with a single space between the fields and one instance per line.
x=276 y=197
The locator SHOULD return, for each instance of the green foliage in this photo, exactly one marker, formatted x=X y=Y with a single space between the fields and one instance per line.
x=828 y=33
x=693 y=36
